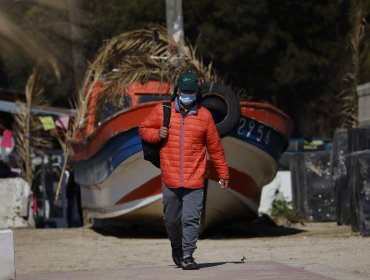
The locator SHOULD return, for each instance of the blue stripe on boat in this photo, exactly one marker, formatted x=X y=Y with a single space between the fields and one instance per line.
x=97 y=168
x=262 y=136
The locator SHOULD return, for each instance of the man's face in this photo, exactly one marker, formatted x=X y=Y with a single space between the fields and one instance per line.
x=187 y=97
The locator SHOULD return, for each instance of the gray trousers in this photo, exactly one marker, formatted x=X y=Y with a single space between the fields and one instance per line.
x=182 y=210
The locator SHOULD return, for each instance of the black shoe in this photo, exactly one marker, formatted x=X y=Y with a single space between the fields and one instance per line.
x=189 y=264
x=177 y=256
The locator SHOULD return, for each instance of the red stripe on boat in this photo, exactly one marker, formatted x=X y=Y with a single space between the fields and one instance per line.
x=239 y=182
x=150 y=188
x=268 y=115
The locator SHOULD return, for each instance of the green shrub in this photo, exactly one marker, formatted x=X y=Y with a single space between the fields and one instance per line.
x=283 y=209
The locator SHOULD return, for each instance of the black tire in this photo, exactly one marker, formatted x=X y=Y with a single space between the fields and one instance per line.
x=216 y=106
x=224 y=105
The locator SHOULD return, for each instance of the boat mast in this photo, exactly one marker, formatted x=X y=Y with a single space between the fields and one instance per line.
x=77 y=34
x=174 y=22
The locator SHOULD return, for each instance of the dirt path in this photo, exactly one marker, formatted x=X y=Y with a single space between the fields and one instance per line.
x=320 y=247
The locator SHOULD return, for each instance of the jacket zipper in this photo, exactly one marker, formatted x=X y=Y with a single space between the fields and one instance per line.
x=182 y=152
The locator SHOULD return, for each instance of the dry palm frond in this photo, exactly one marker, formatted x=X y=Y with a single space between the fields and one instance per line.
x=205 y=71
x=35 y=97
x=25 y=126
x=65 y=148
x=139 y=55
x=63 y=141
x=22 y=147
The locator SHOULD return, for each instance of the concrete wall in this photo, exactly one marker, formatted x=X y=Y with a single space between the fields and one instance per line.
x=7 y=270
x=14 y=198
x=363 y=92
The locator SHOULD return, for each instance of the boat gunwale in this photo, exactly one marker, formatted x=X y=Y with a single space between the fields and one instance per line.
x=96 y=131
x=97 y=139
x=81 y=153
x=283 y=130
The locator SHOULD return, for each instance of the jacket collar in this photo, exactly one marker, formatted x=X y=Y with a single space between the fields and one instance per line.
x=193 y=110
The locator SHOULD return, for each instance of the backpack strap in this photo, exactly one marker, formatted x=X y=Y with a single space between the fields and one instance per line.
x=166 y=114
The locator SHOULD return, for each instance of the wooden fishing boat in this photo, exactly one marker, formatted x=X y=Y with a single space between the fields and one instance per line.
x=137 y=69
x=118 y=184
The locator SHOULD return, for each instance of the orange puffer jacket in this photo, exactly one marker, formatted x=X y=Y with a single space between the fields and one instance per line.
x=183 y=155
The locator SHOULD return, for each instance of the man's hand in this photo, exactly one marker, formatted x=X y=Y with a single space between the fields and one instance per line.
x=163 y=132
x=224 y=183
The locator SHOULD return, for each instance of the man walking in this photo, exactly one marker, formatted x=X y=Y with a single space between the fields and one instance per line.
x=192 y=131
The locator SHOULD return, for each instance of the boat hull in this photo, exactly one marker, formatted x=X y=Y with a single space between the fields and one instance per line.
x=118 y=184
x=132 y=193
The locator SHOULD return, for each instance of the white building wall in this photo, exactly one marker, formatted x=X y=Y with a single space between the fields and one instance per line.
x=280 y=187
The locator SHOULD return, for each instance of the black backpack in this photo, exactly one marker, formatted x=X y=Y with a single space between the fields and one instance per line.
x=151 y=150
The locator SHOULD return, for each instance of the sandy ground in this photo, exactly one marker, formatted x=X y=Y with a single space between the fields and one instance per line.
x=323 y=248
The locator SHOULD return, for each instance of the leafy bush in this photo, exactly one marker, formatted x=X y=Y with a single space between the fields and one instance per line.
x=281 y=209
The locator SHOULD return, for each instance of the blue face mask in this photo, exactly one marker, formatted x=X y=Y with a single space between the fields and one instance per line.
x=187 y=99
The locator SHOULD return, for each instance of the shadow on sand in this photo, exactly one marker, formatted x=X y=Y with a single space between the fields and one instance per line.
x=130 y=231
x=213 y=264
x=205 y=265
x=262 y=227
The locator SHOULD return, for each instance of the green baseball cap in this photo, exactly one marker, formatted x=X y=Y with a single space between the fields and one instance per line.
x=187 y=81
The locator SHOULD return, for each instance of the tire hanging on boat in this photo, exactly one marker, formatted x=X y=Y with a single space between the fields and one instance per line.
x=224 y=105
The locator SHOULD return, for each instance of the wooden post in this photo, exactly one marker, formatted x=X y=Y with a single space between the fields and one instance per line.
x=77 y=35
x=174 y=21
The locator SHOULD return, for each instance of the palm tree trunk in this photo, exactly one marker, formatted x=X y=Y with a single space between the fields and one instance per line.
x=348 y=94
